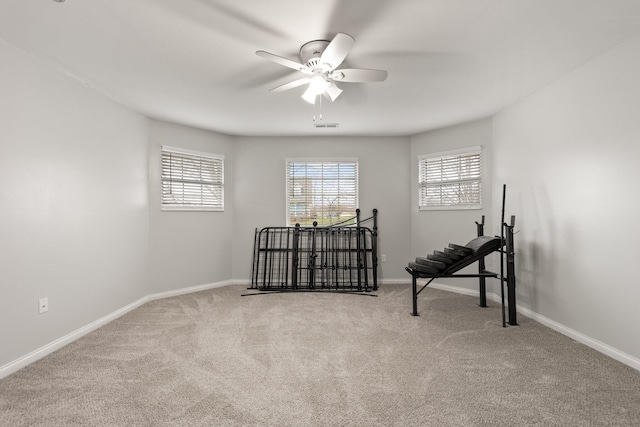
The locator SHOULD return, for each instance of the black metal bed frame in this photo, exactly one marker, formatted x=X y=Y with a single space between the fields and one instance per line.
x=337 y=258
x=505 y=249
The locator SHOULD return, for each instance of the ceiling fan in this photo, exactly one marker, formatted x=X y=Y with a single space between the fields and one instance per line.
x=320 y=62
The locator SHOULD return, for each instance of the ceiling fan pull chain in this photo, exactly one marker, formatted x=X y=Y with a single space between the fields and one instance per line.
x=317 y=109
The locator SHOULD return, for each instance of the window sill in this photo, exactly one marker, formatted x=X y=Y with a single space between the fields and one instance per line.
x=190 y=209
x=450 y=208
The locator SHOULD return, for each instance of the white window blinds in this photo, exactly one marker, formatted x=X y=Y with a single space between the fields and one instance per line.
x=324 y=191
x=192 y=180
x=451 y=180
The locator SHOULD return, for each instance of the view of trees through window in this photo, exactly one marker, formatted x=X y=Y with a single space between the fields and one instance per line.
x=325 y=192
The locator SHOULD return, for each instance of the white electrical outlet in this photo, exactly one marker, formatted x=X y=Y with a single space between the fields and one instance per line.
x=384 y=258
x=43 y=305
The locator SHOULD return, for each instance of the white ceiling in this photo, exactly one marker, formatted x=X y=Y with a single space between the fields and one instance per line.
x=193 y=61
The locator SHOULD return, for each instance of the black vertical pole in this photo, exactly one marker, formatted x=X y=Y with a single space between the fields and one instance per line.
x=266 y=258
x=358 y=251
x=312 y=259
x=350 y=260
x=285 y=255
x=502 y=250
x=271 y=254
x=323 y=257
x=511 y=273
x=414 y=292
x=294 y=257
x=335 y=236
x=374 y=249
x=280 y=266
x=254 y=266
x=481 y=268
x=365 y=263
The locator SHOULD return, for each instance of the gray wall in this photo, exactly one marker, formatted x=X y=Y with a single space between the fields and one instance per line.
x=435 y=229
x=73 y=195
x=569 y=156
x=80 y=219
x=259 y=194
x=188 y=248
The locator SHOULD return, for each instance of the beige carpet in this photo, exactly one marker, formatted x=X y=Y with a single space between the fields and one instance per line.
x=215 y=358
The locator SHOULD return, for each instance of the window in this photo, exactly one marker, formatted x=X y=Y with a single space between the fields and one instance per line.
x=325 y=191
x=192 y=180
x=450 y=180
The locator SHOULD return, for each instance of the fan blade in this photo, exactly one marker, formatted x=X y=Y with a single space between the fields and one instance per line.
x=358 y=75
x=291 y=85
x=336 y=51
x=284 y=61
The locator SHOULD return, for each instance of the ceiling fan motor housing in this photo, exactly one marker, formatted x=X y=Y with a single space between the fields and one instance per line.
x=310 y=53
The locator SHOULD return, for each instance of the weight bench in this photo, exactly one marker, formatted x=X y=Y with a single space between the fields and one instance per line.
x=445 y=264
x=455 y=257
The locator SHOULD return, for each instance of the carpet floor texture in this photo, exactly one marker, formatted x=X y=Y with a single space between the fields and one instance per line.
x=215 y=358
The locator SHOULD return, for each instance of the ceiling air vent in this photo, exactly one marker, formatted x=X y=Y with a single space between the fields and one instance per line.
x=326 y=125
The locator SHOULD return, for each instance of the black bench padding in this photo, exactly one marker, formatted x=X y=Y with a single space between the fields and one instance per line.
x=481 y=246
x=465 y=250
x=441 y=258
x=484 y=244
x=454 y=254
x=455 y=257
x=421 y=268
x=431 y=263
x=451 y=257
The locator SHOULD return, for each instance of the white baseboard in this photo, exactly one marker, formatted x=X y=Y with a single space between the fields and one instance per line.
x=614 y=353
x=457 y=290
x=190 y=289
x=244 y=282
x=394 y=282
x=603 y=348
x=45 y=350
x=41 y=352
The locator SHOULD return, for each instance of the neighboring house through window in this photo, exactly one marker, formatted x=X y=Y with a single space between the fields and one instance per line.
x=324 y=191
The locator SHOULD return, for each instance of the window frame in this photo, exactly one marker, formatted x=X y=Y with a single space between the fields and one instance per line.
x=217 y=161
x=308 y=161
x=458 y=153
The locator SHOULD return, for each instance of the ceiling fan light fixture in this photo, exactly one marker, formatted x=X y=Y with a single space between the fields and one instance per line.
x=319 y=84
x=310 y=95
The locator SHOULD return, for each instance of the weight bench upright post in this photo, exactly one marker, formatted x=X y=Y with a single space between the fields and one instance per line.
x=414 y=293
x=511 y=272
x=481 y=268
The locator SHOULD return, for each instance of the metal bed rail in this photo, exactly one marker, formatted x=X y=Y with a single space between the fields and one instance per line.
x=333 y=258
